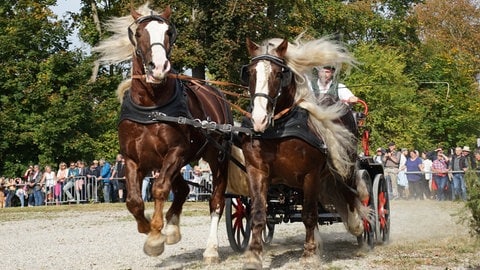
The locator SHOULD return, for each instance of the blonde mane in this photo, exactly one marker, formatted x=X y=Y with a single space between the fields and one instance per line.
x=301 y=57
x=118 y=48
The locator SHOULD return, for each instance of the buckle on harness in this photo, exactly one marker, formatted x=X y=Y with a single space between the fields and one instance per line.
x=182 y=120
x=157 y=116
x=209 y=125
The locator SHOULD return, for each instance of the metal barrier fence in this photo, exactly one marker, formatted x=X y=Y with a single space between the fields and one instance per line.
x=79 y=189
x=433 y=173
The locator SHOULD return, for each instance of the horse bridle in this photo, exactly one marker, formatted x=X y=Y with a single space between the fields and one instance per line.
x=153 y=17
x=286 y=78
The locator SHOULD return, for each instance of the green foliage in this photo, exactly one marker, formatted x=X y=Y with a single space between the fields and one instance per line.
x=379 y=79
x=416 y=78
x=472 y=181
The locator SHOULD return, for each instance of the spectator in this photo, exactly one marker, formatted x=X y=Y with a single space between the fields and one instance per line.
x=29 y=185
x=120 y=176
x=427 y=176
x=3 y=191
x=93 y=172
x=71 y=175
x=10 y=189
x=20 y=192
x=105 y=174
x=458 y=166
x=440 y=173
x=115 y=177
x=205 y=169
x=378 y=156
x=62 y=176
x=80 y=180
x=469 y=158
x=415 y=164
x=197 y=179
x=477 y=162
x=37 y=185
x=146 y=187
x=186 y=172
x=402 y=177
x=49 y=179
x=391 y=160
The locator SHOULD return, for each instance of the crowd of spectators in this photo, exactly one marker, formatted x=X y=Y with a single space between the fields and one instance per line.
x=410 y=174
x=436 y=174
x=76 y=183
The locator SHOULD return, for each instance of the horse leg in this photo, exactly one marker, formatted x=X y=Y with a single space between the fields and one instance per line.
x=258 y=192
x=134 y=200
x=217 y=204
x=180 y=191
x=155 y=243
x=310 y=218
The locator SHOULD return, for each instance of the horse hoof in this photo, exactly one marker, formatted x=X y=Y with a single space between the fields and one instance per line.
x=154 y=245
x=253 y=261
x=252 y=266
x=211 y=260
x=173 y=235
x=210 y=256
x=311 y=262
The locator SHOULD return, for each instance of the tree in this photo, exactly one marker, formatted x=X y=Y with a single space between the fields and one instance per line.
x=379 y=79
x=50 y=111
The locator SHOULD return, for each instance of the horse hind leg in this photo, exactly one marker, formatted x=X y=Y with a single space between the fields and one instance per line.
x=217 y=204
x=180 y=191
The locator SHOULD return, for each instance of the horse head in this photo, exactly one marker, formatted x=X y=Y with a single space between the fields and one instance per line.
x=152 y=36
x=268 y=77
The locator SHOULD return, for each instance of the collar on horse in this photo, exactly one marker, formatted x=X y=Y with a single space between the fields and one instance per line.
x=293 y=124
x=175 y=107
x=174 y=111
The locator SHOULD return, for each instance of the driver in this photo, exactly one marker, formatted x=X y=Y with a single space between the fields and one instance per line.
x=324 y=84
x=328 y=91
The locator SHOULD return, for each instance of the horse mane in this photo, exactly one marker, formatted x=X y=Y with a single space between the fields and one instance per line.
x=301 y=57
x=118 y=48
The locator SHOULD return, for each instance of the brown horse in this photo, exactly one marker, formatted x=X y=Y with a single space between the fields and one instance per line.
x=160 y=127
x=286 y=149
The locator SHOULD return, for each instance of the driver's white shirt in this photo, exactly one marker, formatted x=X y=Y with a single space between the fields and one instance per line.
x=343 y=92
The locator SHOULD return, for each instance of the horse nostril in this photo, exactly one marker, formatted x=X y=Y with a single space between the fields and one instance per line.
x=264 y=120
x=151 y=66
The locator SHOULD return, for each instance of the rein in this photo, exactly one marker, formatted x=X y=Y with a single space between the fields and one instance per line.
x=197 y=82
x=197 y=123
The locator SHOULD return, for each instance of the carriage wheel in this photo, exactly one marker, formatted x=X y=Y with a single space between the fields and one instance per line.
x=382 y=206
x=237 y=218
x=368 y=223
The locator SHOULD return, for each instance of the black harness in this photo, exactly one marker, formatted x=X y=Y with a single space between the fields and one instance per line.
x=293 y=124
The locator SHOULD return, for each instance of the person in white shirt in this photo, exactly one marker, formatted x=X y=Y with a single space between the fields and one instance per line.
x=324 y=84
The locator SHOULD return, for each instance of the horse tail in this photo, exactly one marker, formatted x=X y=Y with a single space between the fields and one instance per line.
x=122 y=88
x=237 y=177
x=339 y=140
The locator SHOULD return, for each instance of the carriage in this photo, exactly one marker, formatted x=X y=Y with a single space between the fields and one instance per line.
x=284 y=204
x=309 y=159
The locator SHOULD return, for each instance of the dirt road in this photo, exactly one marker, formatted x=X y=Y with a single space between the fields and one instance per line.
x=424 y=235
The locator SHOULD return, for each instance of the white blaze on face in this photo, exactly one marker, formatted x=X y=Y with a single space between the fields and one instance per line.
x=259 y=112
x=157 y=32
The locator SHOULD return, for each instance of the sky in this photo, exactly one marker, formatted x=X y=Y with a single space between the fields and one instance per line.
x=61 y=9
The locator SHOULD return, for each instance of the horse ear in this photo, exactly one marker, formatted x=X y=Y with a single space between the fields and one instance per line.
x=134 y=13
x=282 y=48
x=252 y=47
x=167 y=12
